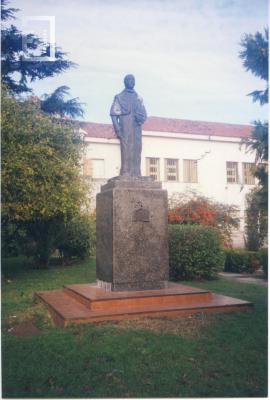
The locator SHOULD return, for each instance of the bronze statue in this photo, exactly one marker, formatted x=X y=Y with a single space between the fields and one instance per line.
x=128 y=114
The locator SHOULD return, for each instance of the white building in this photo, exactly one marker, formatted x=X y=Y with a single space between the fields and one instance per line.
x=184 y=155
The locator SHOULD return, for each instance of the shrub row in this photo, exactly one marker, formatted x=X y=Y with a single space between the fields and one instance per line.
x=240 y=260
x=195 y=252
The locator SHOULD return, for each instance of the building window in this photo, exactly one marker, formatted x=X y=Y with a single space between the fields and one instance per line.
x=94 y=168
x=232 y=172
x=171 y=169
x=248 y=171
x=152 y=168
x=87 y=168
x=190 y=171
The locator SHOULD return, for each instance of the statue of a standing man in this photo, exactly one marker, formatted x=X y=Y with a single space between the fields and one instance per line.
x=128 y=114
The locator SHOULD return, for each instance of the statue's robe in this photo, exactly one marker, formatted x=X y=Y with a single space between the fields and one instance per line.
x=128 y=114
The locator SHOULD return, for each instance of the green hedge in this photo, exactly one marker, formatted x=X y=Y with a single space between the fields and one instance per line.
x=263 y=256
x=241 y=260
x=195 y=252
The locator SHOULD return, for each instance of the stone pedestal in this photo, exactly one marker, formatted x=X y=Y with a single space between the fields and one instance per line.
x=132 y=265
x=132 y=238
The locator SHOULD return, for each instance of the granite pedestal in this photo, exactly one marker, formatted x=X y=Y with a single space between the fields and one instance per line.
x=132 y=238
x=132 y=264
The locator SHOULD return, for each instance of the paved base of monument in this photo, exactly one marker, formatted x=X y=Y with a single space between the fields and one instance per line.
x=87 y=303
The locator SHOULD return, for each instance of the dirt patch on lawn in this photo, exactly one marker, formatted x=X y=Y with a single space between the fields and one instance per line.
x=188 y=326
x=27 y=322
x=24 y=329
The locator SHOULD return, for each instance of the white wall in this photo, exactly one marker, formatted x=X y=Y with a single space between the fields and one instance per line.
x=211 y=153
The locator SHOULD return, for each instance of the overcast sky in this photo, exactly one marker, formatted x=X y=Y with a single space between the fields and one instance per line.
x=183 y=53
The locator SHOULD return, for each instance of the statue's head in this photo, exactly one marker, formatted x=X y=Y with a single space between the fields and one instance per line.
x=129 y=81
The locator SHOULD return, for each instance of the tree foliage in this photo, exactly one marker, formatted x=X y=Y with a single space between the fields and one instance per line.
x=7 y=13
x=258 y=143
x=255 y=221
x=40 y=162
x=41 y=181
x=41 y=184
x=194 y=209
x=255 y=60
x=255 y=56
x=20 y=66
x=56 y=104
x=77 y=237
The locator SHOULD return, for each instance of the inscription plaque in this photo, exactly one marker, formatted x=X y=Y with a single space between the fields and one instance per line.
x=141 y=215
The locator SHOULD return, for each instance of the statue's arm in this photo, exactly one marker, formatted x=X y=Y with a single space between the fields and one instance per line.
x=115 y=113
x=140 y=112
x=116 y=126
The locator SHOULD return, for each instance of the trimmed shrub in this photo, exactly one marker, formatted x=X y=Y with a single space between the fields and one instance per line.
x=195 y=252
x=263 y=255
x=77 y=238
x=241 y=260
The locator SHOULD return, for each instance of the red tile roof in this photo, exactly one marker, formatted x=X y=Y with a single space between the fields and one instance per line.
x=172 y=125
x=94 y=129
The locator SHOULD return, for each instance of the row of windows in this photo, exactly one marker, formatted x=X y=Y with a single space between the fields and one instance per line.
x=171 y=169
x=190 y=171
x=233 y=175
x=95 y=168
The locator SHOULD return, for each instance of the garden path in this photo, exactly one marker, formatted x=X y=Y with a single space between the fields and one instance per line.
x=257 y=278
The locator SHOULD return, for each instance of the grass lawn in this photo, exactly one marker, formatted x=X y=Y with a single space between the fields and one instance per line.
x=221 y=355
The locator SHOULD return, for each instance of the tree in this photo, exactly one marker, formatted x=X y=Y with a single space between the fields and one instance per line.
x=19 y=66
x=255 y=56
x=255 y=60
x=42 y=189
x=41 y=181
x=77 y=238
x=255 y=222
x=258 y=143
x=7 y=13
x=56 y=104
x=194 y=209
x=16 y=59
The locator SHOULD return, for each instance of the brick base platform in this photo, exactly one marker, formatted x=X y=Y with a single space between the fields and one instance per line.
x=86 y=303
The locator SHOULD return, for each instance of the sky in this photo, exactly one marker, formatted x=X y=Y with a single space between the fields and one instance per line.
x=184 y=54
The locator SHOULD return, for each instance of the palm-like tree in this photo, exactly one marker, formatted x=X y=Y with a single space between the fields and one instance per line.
x=258 y=141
